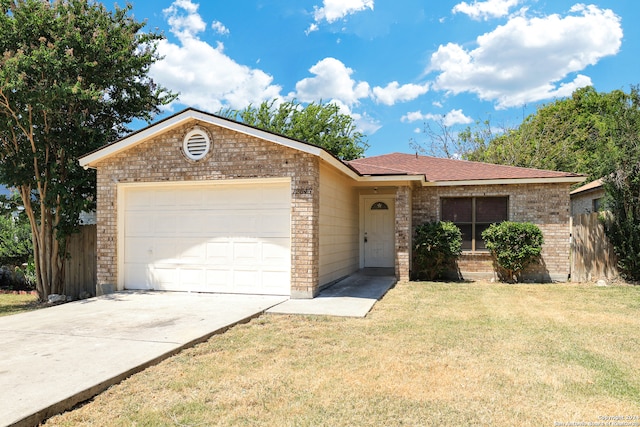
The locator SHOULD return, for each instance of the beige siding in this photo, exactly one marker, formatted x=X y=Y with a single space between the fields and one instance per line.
x=339 y=218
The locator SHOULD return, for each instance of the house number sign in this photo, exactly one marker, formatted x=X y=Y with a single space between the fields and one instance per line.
x=298 y=191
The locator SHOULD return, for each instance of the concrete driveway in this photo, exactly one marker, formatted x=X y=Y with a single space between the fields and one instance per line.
x=53 y=358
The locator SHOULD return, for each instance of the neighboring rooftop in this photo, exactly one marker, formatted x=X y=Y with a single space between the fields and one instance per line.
x=439 y=169
x=593 y=185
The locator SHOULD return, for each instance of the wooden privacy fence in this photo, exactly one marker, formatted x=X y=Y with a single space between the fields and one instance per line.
x=592 y=255
x=80 y=266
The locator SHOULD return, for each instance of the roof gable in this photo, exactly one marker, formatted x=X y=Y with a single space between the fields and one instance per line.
x=190 y=114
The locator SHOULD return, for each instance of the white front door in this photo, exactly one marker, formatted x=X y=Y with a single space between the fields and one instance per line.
x=379 y=233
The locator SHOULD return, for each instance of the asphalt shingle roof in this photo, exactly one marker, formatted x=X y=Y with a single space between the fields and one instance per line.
x=438 y=169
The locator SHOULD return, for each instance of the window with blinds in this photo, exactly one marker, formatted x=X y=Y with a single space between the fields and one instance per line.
x=473 y=215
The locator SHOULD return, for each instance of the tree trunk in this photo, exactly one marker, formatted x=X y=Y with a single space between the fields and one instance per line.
x=47 y=257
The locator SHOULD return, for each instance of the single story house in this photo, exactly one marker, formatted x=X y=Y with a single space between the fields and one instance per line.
x=587 y=198
x=197 y=202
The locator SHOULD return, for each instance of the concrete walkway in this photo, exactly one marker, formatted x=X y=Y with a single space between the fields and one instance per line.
x=353 y=296
x=54 y=358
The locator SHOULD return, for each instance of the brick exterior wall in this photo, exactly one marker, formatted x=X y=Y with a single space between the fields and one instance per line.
x=582 y=203
x=233 y=156
x=546 y=205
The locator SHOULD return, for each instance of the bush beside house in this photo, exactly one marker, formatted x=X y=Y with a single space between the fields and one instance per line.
x=513 y=246
x=436 y=247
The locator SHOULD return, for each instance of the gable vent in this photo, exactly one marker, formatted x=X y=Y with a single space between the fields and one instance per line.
x=196 y=144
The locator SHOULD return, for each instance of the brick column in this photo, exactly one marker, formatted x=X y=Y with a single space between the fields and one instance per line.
x=403 y=233
x=305 y=247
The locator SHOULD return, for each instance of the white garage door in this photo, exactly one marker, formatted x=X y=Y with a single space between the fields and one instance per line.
x=208 y=238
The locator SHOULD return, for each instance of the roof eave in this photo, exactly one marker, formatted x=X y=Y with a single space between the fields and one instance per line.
x=499 y=181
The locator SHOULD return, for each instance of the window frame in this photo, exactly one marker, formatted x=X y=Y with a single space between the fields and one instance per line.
x=474 y=222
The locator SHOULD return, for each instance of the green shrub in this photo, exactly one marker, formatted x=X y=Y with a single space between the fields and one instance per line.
x=513 y=245
x=436 y=247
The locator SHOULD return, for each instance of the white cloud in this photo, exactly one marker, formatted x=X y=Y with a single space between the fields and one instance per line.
x=219 y=28
x=311 y=29
x=204 y=75
x=453 y=117
x=332 y=81
x=413 y=116
x=334 y=10
x=393 y=92
x=485 y=9
x=527 y=59
x=183 y=18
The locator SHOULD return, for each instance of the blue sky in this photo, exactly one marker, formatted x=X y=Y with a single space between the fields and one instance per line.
x=394 y=65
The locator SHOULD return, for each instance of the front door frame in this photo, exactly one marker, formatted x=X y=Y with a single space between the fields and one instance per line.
x=366 y=201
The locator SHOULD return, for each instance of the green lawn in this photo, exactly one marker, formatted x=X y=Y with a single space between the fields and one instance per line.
x=428 y=354
x=13 y=304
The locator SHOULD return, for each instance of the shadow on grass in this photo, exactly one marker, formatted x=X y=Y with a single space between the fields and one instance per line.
x=14 y=304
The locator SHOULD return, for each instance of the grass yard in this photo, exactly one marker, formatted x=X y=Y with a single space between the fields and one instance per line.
x=428 y=354
x=14 y=304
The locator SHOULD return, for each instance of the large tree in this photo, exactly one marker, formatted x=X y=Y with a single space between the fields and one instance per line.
x=622 y=188
x=72 y=75
x=316 y=123
x=574 y=134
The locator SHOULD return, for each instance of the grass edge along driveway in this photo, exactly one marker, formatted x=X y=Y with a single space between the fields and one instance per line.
x=428 y=354
x=17 y=303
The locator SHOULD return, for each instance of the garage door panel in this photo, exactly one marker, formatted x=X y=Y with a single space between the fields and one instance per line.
x=192 y=250
x=165 y=223
x=228 y=223
x=137 y=273
x=246 y=279
x=218 y=279
x=138 y=224
x=137 y=199
x=274 y=279
x=273 y=197
x=219 y=252
x=169 y=197
x=163 y=250
x=275 y=252
x=164 y=276
x=246 y=253
x=190 y=223
x=138 y=250
x=192 y=279
x=274 y=224
x=217 y=238
x=244 y=224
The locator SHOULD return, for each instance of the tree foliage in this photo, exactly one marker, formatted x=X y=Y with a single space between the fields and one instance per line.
x=16 y=246
x=316 y=123
x=622 y=189
x=513 y=245
x=436 y=246
x=72 y=75
x=574 y=134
